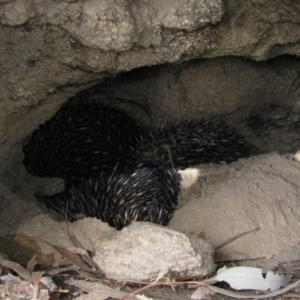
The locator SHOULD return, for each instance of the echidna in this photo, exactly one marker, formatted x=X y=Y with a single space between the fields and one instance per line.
x=188 y=143
x=125 y=194
x=80 y=140
x=116 y=170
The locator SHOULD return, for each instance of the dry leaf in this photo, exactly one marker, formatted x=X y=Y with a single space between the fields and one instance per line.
x=17 y=268
x=23 y=247
x=86 y=258
x=72 y=257
x=31 y=264
x=97 y=291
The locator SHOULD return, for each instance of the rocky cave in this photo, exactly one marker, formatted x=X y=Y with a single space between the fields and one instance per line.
x=235 y=61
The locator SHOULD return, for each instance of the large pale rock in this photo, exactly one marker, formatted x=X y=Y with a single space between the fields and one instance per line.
x=260 y=193
x=142 y=250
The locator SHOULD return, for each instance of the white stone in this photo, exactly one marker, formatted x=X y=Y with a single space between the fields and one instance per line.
x=143 y=250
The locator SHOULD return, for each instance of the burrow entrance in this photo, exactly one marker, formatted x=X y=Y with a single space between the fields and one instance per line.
x=260 y=100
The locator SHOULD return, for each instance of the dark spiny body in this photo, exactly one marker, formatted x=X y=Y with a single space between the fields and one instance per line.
x=142 y=193
x=191 y=142
x=83 y=143
x=80 y=140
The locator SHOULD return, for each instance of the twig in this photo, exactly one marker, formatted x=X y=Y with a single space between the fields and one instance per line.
x=230 y=240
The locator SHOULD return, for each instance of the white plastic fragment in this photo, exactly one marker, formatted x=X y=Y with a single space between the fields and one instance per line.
x=247 y=278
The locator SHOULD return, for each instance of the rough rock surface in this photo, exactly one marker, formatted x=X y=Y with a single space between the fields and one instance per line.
x=14 y=210
x=142 y=250
x=89 y=231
